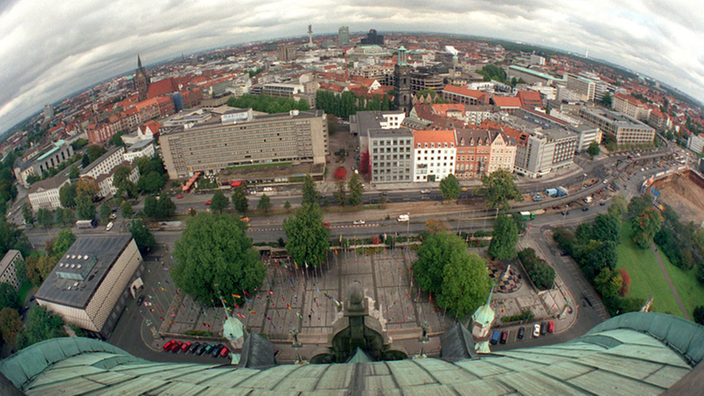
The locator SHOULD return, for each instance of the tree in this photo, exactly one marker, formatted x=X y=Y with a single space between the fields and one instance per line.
x=699 y=314
x=88 y=187
x=638 y=204
x=151 y=183
x=126 y=209
x=59 y=217
x=356 y=189
x=618 y=207
x=626 y=283
x=27 y=213
x=239 y=199
x=606 y=100
x=310 y=194
x=450 y=187
x=225 y=258
x=9 y=297
x=340 y=173
x=287 y=206
x=435 y=226
x=11 y=325
x=436 y=251
x=143 y=237
x=85 y=207
x=382 y=201
x=105 y=212
x=165 y=207
x=94 y=152
x=45 y=218
x=504 y=239
x=69 y=217
x=465 y=284
x=645 y=226
x=73 y=172
x=219 y=202
x=150 y=206
x=608 y=282
x=116 y=139
x=520 y=222
x=121 y=181
x=64 y=240
x=499 y=188
x=67 y=195
x=264 y=203
x=41 y=325
x=340 y=193
x=593 y=150
x=606 y=228
x=597 y=255
x=306 y=236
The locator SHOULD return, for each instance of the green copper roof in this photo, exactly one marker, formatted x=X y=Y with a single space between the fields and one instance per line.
x=639 y=353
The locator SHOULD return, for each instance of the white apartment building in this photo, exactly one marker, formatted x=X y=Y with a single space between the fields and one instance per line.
x=106 y=163
x=434 y=155
x=696 y=143
x=44 y=194
x=8 y=270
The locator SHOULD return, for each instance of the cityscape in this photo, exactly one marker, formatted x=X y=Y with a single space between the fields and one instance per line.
x=353 y=207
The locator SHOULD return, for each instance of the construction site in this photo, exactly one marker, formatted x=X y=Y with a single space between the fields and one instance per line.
x=684 y=192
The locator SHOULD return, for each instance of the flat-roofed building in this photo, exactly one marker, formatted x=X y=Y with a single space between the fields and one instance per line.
x=630 y=106
x=584 y=87
x=91 y=283
x=587 y=134
x=626 y=129
x=543 y=152
x=8 y=268
x=464 y=95
x=434 y=155
x=282 y=90
x=696 y=143
x=530 y=76
x=142 y=148
x=44 y=194
x=243 y=139
x=41 y=161
x=390 y=154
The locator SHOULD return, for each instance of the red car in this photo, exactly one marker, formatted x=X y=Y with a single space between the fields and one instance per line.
x=551 y=327
x=168 y=344
x=184 y=347
x=208 y=202
x=179 y=196
x=326 y=224
x=175 y=346
x=224 y=352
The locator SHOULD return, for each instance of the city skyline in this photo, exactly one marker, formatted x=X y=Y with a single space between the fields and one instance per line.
x=75 y=46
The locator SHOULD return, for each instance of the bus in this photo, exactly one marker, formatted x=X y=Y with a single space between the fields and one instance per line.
x=86 y=223
x=528 y=215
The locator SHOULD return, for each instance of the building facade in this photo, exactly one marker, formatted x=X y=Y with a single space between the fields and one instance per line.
x=481 y=152
x=91 y=282
x=8 y=268
x=141 y=81
x=630 y=106
x=584 y=87
x=216 y=145
x=44 y=194
x=287 y=52
x=41 y=161
x=626 y=129
x=541 y=153
x=402 y=83
x=390 y=155
x=434 y=155
x=343 y=36
x=105 y=164
x=696 y=143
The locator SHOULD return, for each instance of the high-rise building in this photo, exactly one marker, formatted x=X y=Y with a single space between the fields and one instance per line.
x=287 y=52
x=141 y=80
x=343 y=36
x=545 y=151
x=402 y=83
x=584 y=87
x=48 y=111
x=373 y=38
x=626 y=129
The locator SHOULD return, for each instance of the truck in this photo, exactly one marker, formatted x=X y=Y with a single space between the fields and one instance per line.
x=556 y=192
x=86 y=223
x=403 y=218
x=528 y=215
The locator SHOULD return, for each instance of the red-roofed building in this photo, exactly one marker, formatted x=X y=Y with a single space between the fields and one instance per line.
x=100 y=133
x=630 y=106
x=434 y=155
x=530 y=99
x=659 y=121
x=481 y=152
x=148 y=130
x=162 y=87
x=464 y=95
x=509 y=104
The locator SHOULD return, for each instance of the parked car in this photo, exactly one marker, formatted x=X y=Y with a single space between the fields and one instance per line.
x=358 y=222
x=208 y=202
x=168 y=345
x=112 y=216
x=326 y=224
x=504 y=336
x=216 y=350
x=564 y=253
x=602 y=203
x=224 y=352
x=179 y=196
x=536 y=330
x=199 y=351
x=186 y=346
x=551 y=327
x=140 y=300
x=543 y=328
x=109 y=226
x=425 y=191
x=194 y=347
x=585 y=209
x=175 y=346
x=244 y=219
x=208 y=348
x=521 y=332
x=495 y=337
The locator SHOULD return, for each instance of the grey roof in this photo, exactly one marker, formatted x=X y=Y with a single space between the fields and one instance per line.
x=140 y=145
x=636 y=353
x=101 y=159
x=367 y=120
x=7 y=259
x=457 y=344
x=105 y=249
x=257 y=352
x=378 y=133
x=48 y=184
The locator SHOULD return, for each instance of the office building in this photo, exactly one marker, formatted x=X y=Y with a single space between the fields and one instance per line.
x=92 y=281
x=630 y=106
x=583 y=87
x=343 y=36
x=282 y=90
x=8 y=268
x=142 y=148
x=543 y=152
x=626 y=129
x=434 y=155
x=390 y=155
x=287 y=52
x=48 y=111
x=44 y=194
x=587 y=134
x=238 y=138
x=530 y=76
x=455 y=94
x=537 y=60
x=37 y=162
x=696 y=143
x=373 y=38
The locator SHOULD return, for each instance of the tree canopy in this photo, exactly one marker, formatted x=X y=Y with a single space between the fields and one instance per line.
x=219 y=202
x=143 y=237
x=434 y=254
x=264 y=203
x=499 y=188
x=306 y=236
x=356 y=189
x=310 y=194
x=11 y=325
x=239 y=199
x=450 y=187
x=593 y=150
x=9 y=297
x=165 y=207
x=225 y=257
x=504 y=238
x=94 y=152
x=41 y=325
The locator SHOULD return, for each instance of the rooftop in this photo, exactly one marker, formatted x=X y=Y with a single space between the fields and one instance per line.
x=534 y=72
x=81 y=270
x=7 y=259
x=48 y=184
x=634 y=353
x=102 y=158
x=379 y=133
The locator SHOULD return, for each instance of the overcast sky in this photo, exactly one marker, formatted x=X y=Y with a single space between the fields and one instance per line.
x=49 y=49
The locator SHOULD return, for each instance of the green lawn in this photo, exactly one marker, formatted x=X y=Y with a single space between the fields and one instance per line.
x=646 y=277
x=690 y=290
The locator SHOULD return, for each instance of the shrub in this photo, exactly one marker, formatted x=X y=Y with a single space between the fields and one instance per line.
x=340 y=173
x=539 y=271
x=199 y=333
x=626 y=285
x=526 y=315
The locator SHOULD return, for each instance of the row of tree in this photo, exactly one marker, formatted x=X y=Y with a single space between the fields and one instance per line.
x=268 y=104
x=347 y=103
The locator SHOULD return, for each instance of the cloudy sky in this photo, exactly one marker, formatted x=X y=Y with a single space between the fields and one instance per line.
x=49 y=49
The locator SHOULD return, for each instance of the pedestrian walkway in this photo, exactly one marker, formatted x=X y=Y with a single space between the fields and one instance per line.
x=669 y=282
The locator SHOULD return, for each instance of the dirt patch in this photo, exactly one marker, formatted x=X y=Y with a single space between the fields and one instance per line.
x=684 y=193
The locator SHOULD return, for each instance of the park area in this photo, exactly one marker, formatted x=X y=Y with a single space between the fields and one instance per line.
x=648 y=280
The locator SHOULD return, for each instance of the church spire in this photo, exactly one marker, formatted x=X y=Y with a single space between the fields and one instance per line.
x=139 y=61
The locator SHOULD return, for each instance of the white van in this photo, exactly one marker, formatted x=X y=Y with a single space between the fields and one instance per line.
x=403 y=217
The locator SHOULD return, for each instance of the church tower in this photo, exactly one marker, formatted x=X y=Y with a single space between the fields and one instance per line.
x=141 y=80
x=481 y=326
x=402 y=83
